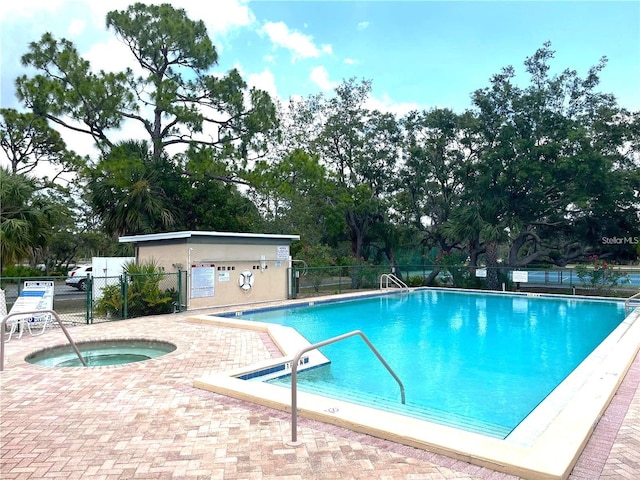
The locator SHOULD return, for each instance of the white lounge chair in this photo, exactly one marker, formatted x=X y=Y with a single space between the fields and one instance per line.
x=3 y=313
x=42 y=292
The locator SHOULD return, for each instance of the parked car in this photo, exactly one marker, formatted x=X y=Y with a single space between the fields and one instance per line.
x=77 y=277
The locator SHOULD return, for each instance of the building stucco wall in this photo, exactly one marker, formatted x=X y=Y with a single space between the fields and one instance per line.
x=267 y=260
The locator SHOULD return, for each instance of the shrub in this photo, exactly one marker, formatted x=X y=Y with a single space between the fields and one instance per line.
x=601 y=275
x=142 y=292
x=416 y=281
x=318 y=258
x=144 y=295
x=110 y=303
x=21 y=271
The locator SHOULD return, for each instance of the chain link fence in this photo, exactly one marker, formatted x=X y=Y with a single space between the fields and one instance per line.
x=99 y=299
x=314 y=281
x=129 y=296
x=70 y=303
x=620 y=282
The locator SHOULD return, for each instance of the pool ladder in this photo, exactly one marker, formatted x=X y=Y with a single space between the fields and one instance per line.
x=627 y=303
x=388 y=279
x=294 y=377
x=3 y=324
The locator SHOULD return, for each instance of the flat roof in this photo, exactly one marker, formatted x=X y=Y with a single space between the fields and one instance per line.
x=189 y=234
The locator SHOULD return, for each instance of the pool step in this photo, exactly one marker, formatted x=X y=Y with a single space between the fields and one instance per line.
x=395 y=406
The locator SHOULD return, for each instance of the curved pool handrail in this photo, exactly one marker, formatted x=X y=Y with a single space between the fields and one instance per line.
x=294 y=378
x=22 y=314
x=305 y=267
x=628 y=301
x=387 y=278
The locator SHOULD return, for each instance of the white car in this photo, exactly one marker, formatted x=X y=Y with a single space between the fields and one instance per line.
x=77 y=277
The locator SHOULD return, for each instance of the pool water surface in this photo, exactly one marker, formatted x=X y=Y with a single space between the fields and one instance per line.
x=102 y=353
x=474 y=361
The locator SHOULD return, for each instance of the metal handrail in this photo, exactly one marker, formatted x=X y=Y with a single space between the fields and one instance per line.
x=22 y=314
x=305 y=267
x=627 y=302
x=294 y=376
x=395 y=280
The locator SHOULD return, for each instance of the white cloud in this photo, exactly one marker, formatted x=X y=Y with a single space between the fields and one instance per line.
x=28 y=8
x=386 y=105
x=320 y=77
x=264 y=81
x=220 y=17
x=349 y=61
x=62 y=18
x=300 y=45
x=363 y=25
x=76 y=27
x=111 y=56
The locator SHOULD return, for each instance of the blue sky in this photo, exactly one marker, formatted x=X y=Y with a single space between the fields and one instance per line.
x=419 y=54
x=437 y=53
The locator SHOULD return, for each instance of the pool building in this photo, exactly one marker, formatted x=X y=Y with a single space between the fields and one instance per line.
x=224 y=268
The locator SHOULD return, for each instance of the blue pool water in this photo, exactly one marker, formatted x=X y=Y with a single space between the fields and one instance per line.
x=474 y=361
x=100 y=353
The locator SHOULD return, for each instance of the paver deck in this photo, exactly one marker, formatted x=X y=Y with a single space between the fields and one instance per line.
x=146 y=421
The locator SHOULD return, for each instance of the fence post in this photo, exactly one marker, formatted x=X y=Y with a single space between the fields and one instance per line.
x=124 y=290
x=179 y=290
x=295 y=279
x=88 y=303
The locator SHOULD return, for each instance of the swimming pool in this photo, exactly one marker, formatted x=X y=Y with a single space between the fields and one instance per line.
x=473 y=361
x=546 y=444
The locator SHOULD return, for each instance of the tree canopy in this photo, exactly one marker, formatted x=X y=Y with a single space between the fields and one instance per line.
x=177 y=99
x=537 y=171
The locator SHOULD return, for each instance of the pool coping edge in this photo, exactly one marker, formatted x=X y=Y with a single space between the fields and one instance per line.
x=551 y=456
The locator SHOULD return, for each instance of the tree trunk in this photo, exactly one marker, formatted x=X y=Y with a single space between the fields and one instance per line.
x=358 y=230
x=432 y=276
x=388 y=251
x=491 y=254
x=475 y=249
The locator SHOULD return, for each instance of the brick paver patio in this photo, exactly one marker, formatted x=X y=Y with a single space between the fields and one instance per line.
x=146 y=420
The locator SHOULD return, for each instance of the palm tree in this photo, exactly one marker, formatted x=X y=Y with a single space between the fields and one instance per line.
x=480 y=224
x=125 y=190
x=23 y=218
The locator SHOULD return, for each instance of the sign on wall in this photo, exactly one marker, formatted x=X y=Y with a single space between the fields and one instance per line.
x=203 y=280
x=282 y=252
